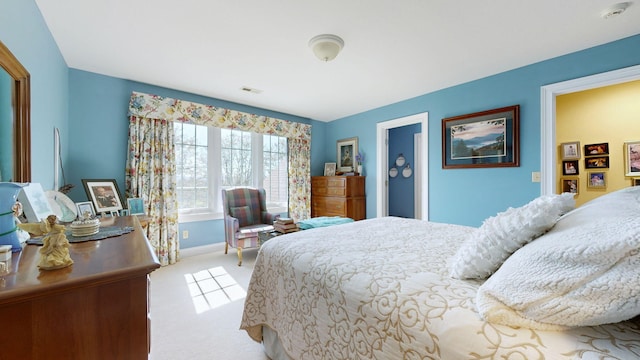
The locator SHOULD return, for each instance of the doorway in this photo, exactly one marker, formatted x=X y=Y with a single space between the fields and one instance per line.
x=548 y=111
x=420 y=170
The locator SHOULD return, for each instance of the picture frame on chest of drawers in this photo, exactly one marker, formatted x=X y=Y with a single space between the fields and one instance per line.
x=330 y=169
x=346 y=150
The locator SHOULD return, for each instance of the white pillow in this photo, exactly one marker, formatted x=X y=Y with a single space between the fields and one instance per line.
x=499 y=236
x=584 y=272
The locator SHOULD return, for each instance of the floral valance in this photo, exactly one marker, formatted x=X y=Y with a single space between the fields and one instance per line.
x=158 y=107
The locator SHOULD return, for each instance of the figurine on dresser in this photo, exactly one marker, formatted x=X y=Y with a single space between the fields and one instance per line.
x=54 y=253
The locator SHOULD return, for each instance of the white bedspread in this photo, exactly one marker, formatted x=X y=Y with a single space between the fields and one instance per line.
x=380 y=289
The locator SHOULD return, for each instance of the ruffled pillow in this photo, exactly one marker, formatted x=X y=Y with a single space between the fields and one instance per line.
x=499 y=236
x=584 y=272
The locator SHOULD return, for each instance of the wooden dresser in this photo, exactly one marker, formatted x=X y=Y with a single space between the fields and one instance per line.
x=97 y=308
x=338 y=196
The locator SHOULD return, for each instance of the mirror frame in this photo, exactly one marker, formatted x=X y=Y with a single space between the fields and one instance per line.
x=21 y=114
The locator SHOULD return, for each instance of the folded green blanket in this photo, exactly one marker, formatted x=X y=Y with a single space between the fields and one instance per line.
x=322 y=221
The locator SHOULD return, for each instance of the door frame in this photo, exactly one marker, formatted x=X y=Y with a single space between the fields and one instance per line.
x=382 y=162
x=548 y=112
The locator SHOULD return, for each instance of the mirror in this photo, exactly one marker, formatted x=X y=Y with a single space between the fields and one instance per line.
x=19 y=83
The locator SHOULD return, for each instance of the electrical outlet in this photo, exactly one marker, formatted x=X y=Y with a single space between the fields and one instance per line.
x=185 y=234
x=535 y=176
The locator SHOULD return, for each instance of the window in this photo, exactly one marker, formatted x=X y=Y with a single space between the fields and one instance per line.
x=275 y=169
x=209 y=159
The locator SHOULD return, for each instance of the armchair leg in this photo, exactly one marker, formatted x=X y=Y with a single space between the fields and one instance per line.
x=226 y=247
x=239 y=256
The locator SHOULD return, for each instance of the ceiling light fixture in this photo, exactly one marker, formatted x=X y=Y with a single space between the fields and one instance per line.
x=615 y=10
x=326 y=46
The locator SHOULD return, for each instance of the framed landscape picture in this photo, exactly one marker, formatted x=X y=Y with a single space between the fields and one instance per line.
x=483 y=139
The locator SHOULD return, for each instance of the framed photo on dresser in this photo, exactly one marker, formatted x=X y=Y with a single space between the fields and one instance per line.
x=104 y=194
x=330 y=169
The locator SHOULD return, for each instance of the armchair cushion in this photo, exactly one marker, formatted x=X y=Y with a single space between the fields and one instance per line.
x=243 y=214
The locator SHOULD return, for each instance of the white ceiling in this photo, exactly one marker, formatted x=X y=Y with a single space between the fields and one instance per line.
x=394 y=49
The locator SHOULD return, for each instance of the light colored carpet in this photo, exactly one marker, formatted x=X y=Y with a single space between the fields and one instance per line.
x=182 y=329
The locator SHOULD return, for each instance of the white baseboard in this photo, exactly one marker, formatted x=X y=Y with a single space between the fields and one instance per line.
x=199 y=250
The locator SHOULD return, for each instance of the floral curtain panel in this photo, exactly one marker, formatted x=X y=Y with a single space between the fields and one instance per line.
x=150 y=175
x=299 y=180
x=166 y=110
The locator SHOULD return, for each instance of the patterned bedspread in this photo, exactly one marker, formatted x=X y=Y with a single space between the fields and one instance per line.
x=380 y=289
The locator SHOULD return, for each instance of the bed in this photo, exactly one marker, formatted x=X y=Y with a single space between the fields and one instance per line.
x=540 y=281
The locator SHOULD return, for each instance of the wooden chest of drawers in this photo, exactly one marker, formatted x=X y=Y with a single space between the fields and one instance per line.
x=338 y=196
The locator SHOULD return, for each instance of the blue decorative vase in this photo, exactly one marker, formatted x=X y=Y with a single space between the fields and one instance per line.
x=8 y=228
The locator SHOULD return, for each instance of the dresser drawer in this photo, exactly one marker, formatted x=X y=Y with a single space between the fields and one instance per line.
x=329 y=191
x=326 y=206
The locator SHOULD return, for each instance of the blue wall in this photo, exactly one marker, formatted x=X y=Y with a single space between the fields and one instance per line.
x=100 y=128
x=90 y=111
x=24 y=32
x=401 y=189
x=468 y=196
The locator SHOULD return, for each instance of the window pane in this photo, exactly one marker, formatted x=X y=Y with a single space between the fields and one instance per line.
x=188 y=134
x=177 y=133
x=275 y=171
x=236 y=158
x=191 y=145
x=201 y=135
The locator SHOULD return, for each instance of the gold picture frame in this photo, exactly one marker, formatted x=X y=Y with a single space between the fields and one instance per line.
x=632 y=158
x=570 y=185
x=597 y=180
x=570 y=150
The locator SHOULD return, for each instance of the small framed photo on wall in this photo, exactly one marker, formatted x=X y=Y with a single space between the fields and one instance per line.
x=570 y=167
x=598 y=162
x=596 y=149
x=597 y=180
x=570 y=150
x=570 y=185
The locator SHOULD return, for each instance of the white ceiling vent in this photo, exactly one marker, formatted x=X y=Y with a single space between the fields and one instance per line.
x=251 y=90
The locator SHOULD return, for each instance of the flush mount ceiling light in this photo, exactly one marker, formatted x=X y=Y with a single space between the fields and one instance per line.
x=615 y=10
x=326 y=46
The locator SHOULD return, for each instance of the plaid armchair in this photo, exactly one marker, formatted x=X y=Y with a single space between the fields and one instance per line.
x=245 y=214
